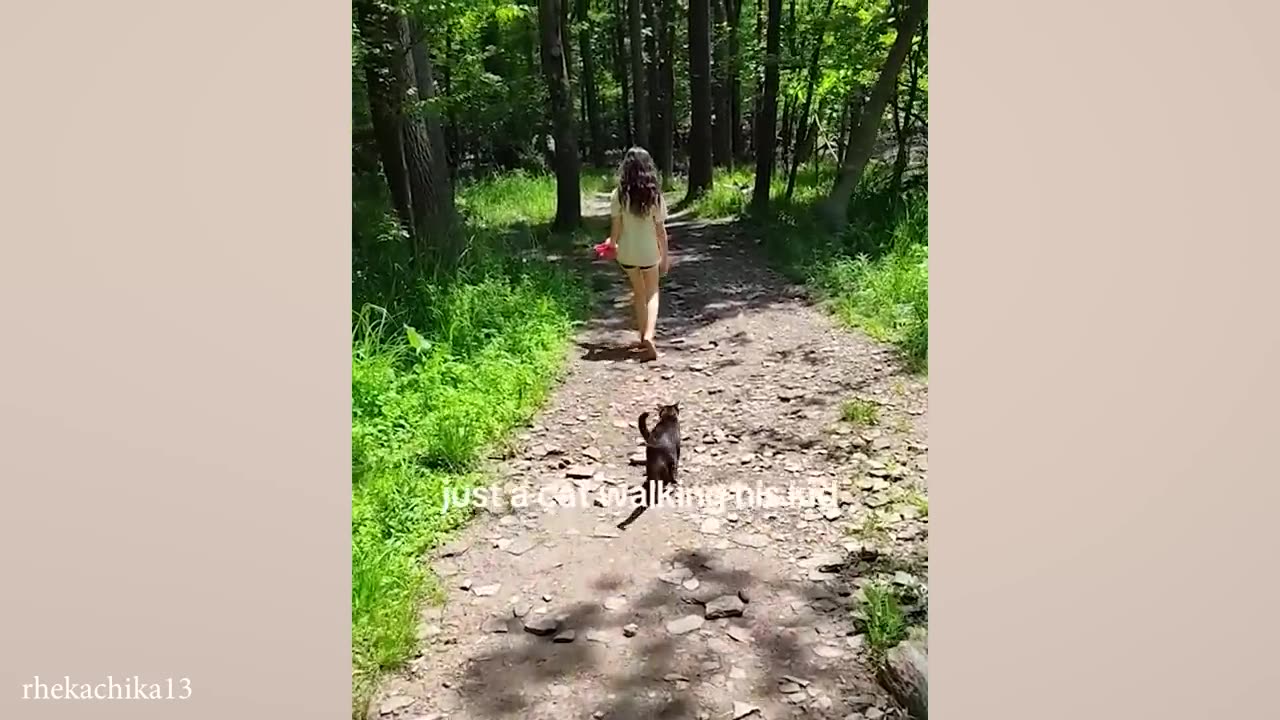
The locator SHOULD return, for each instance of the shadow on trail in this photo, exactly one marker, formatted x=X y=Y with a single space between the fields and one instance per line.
x=667 y=673
x=718 y=273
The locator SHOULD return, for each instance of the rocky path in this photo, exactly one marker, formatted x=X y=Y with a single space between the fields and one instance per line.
x=715 y=605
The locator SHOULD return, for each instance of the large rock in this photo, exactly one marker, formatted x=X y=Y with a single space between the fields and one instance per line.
x=724 y=606
x=686 y=624
x=906 y=676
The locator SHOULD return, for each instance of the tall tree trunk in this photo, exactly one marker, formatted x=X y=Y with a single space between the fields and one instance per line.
x=902 y=118
x=590 y=97
x=432 y=193
x=566 y=37
x=665 y=31
x=801 y=141
x=640 y=105
x=862 y=142
x=387 y=80
x=737 y=145
x=424 y=74
x=757 y=102
x=451 y=130
x=791 y=32
x=766 y=123
x=389 y=137
x=653 y=79
x=700 y=172
x=721 y=129
x=567 y=164
x=620 y=72
x=788 y=120
x=847 y=115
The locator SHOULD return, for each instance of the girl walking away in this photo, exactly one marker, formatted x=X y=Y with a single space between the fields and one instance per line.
x=638 y=239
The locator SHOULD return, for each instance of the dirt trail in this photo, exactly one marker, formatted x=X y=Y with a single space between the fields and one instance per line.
x=760 y=376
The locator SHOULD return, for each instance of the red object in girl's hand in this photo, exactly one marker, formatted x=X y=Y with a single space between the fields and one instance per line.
x=606 y=250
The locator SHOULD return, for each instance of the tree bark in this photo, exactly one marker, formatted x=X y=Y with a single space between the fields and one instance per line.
x=640 y=103
x=757 y=102
x=451 y=130
x=663 y=134
x=653 y=79
x=737 y=144
x=862 y=141
x=721 y=127
x=565 y=155
x=386 y=82
x=424 y=73
x=788 y=119
x=590 y=95
x=766 y=123
x=700 y=167
x=902 y=116
x=803 y=125
x=566 y=37
x=425 y=156
x=906 y=676
x=620 y=72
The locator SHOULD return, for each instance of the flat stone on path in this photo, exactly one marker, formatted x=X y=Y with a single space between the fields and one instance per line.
x=686 y=624
x=742 y=710
x=541 y=624
x=565 y=636
x=392 y=705
x=630 y=629
x=752 y=540
x=829 y=652
x=521 y=545
x=676 y=576
x=486 y=590
x=739 y=633
x=725 y=606
x=580 y=472
x=823 y=562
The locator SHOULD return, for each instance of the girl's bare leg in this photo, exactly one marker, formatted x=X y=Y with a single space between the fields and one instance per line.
x=650 y=296
x=637 y=301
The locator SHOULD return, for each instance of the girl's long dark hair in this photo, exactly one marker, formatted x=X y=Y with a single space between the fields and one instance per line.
x=638 y=186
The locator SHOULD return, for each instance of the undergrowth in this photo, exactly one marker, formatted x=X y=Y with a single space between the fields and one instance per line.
x=874 y=273
x=883 y=619
x=444 y=364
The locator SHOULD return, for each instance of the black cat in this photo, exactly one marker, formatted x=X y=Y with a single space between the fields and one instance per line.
x=661 y=456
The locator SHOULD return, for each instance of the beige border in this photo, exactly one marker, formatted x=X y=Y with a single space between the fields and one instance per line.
x=175 y=414
x=1102 y=376
x=176 y=410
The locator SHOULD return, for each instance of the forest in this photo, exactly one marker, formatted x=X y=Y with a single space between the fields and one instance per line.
x=481 y=130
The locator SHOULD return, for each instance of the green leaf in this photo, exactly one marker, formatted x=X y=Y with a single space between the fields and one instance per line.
x=416 y=340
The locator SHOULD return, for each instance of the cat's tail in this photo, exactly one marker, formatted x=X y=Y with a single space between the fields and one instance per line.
x=644 y=431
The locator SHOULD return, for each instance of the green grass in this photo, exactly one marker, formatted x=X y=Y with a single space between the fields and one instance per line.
x=444 y=365
x=871 y=529
x=520 y=198
x=920 y=501
x=883 y=619
x=860 y=412
x=874 y=274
